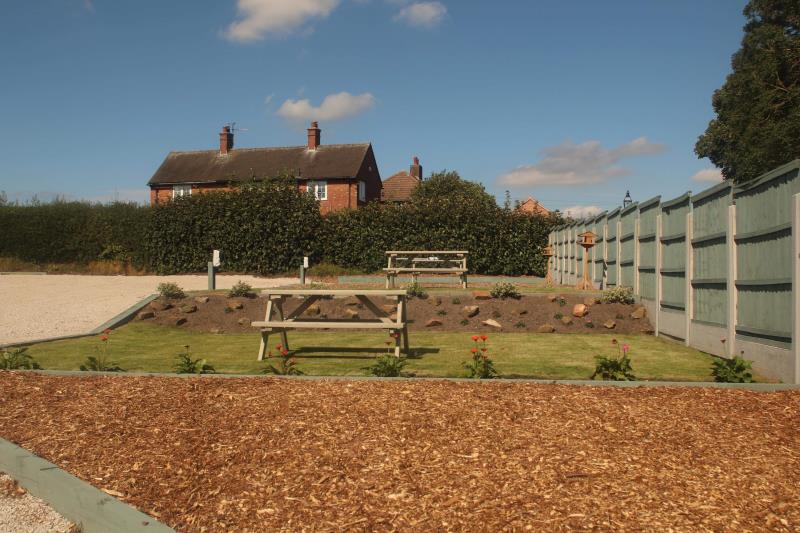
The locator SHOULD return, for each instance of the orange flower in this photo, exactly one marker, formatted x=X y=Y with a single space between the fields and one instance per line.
x=475 y=338
x=284 y=352
x=484 y=337
x=279 y=347
x=104 y=338
x=474 y=350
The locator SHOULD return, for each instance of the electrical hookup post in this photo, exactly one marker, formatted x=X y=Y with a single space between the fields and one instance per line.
x=213 y=265
x=303 y=269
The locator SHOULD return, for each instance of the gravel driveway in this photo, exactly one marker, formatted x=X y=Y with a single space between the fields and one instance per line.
x=22 y=513
x=37 y=307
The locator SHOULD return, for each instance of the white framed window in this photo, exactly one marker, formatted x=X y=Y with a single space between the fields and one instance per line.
x=181 y=190
x=318 y=189
x=362 y=191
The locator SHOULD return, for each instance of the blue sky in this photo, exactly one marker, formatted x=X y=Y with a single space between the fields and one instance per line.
x=571 y=101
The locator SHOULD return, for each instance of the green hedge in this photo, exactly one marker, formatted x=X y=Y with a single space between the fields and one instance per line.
x=74 y=232
x=267 y=229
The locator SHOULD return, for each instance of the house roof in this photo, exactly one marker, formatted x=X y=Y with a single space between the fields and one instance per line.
x=532 y=205
x=399 y=187
x=243 y=164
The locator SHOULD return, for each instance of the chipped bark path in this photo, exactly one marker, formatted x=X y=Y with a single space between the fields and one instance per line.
x=283 y=455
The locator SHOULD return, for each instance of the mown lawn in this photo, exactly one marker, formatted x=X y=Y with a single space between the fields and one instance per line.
x=148 y=347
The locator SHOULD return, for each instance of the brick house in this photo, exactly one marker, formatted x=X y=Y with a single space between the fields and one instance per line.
x=398 y=187
x=532 y=206
x=341 y=176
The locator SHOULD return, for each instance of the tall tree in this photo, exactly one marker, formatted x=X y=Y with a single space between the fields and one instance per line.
x=448 y=186
x=757 y=127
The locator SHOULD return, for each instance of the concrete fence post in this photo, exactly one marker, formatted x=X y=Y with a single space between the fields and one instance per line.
x=795 y=281
x=730 y=349
x=636 y=234
x=658 y=275
x=689 y=276
x=619 y=252
x=605 y=254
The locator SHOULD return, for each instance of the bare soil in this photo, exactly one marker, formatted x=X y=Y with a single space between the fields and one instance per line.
x=271 y=454
x=514 y=315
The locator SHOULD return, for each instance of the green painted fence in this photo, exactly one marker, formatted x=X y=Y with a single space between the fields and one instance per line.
x=612 y=247
x=648 y=221
x=710 y=254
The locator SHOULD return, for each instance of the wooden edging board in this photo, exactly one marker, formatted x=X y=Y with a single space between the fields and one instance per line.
x=91 y=509
x=757 y=387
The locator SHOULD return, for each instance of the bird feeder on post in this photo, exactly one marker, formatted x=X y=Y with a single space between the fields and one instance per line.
x=548 y=253
x=587 y=241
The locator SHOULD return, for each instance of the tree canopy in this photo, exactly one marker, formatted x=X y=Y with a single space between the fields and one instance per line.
x=757 y=127
x=448 y=186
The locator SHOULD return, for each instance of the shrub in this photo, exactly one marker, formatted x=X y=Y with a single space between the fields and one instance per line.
x=519 y=324
x=618 y=295
x=441 y=312
x=481 y=365
x=505 y=290
x=286 y=365
x=170 y=290
x=558 y=316
x=736 y=370
x=614 y=368
x=187 y=365
x=562 y=301
x=240 y=289
x=101 y=362
x=464 y=322
x=18 y=360
x=589 y=324
x=329 y=270
x=415 y=290
x=455 y=301
x=388 y=366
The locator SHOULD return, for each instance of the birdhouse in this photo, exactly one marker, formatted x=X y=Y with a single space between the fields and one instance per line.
x=548 y=251
x=587 y=239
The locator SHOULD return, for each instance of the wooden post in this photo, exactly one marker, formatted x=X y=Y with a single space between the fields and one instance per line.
x=658 y=273
x=284 y=336
x=636 y=251
x=795 y=281
x=733 y=296
x=689 y=275
x=262 y=349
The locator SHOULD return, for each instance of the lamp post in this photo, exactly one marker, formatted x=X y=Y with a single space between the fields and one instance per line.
x=627 y=200
x=548 y=253
x=587 y=241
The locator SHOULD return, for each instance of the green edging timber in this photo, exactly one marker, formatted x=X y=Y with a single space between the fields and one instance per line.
x=91 y=509
x=762 y=387
x=122 y=318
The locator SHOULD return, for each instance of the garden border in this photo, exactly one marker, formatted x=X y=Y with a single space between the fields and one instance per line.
x=757 y=387
x=78 y=501
x=118 y=320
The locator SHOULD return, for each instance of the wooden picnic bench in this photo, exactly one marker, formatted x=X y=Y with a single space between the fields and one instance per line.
x=276 y=322
x=409 y=261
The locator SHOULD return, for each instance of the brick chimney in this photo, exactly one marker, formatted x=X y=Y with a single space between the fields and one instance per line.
x=416 y=169
x=225 y=140
x=313 y=136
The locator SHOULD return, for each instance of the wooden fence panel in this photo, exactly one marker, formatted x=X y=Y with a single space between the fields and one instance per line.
x=627 y=245
x=673 y=252
x=612 y=246
x=710 y=254
x=648 y=213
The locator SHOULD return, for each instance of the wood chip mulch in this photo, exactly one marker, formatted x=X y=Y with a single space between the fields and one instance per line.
x=269 y=454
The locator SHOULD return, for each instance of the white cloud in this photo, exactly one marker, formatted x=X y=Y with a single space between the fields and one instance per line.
x=713 y=175
x=579 y=164
x=268 y=99
x=426 y=14
x=582 y=211
x=260 y=18
x=333 y=107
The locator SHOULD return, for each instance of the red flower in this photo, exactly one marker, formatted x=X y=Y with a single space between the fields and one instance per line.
x=626 y=348
x=279 y=347
x=475 y=338
x=104 y=338
x=484 y=337
x=284 y=352
x=474 y=350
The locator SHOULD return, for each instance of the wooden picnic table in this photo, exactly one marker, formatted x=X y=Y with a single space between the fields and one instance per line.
x=275 y=321
x=409 y=261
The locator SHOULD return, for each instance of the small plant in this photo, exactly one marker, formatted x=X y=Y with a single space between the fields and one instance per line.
x=562 y=301
x=101 y=361
x=286 y=365
x=388 y=366
x=618 y=295
x=241 y=289
x=481 y=365
x=615 y=368
x=736 y=370
x=455 y=301
x=441 y=312
x=227 y=310
x=558 y=316
x=18 y=360
x=170 y=290
x=464 y=322
x=589 y=324
x=415 y=290
x=187 y=365
x=505 y=290
x=519 y=325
